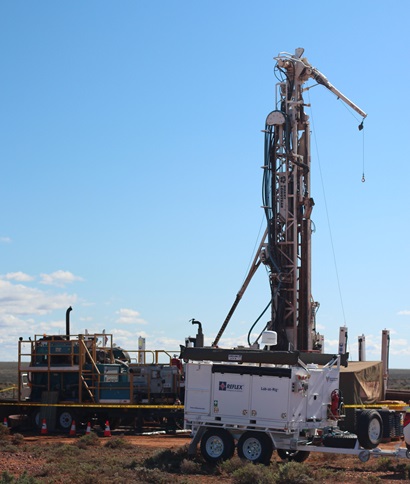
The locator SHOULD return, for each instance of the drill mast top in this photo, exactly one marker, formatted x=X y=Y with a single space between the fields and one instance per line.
x=287 y=202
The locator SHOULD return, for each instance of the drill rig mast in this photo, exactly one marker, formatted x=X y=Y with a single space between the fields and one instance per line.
x=287 y=202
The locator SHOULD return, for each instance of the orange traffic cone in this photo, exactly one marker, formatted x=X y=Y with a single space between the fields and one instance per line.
x=107 y=431
x=72 y=430
x=88 y=429
x=5 y=423
x=44 y=430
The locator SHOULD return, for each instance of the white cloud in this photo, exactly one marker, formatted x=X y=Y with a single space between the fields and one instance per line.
x=129 y=316
x=405 y=312
x=20 y=300
x=5 y=240
x=86 y=319
x=17 y=276
x=402 y=352
x=400 y=342
x=22 y=310
x=331 y=345
x=59 y=278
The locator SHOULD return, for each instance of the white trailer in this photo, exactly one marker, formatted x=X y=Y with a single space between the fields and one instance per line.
x=259 y=401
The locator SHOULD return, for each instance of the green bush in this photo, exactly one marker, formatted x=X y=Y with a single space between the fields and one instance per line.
x=151 y=476
x=231 y=465
x=7 y=478
x=370 y=479
x=7 y=447
x=168 y=460
x=253 y=474
x=293 y=473
x=60 y=452
x=384 y=464
x=17 y=439
x=190 y=467
x=26 y=479
x=402 y=469
x=90 y=440
x=118 y=443
x=4 y=432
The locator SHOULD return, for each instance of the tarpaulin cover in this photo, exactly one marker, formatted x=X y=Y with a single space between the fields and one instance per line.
x=362 y=382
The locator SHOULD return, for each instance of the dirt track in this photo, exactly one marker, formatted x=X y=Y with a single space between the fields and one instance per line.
x=153 y=441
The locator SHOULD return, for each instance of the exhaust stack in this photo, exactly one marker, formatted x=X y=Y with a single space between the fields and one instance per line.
x=67 y=322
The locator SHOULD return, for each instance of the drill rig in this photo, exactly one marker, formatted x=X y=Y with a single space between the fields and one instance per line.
x=253 y=399
x=286 y=245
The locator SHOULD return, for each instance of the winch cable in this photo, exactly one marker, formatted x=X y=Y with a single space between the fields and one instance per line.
x=259 y=317
x=360 y=128
x=255 y=323
x=363 y=177
x=327 y=214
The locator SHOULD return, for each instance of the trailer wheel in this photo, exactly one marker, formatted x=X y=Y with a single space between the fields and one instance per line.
x=35 y=419
x=255 y=447
x=295 y=455
x=65 y=419
x=369 y=429
x=217 y=445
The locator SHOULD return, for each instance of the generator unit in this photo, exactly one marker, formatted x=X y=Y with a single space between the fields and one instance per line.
x=284 y=399
x=258 y=401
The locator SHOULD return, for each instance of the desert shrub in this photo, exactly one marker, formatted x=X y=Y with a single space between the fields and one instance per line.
x=90 y=440
x=384 y=464
x=26 y=479
x=4 y=432
x=231 y=465
x=190 y=467
x=131 y=465
x=402 y=469
x=118 y=443
x=253 y=474
x=9 y=448
x=372 y=479
x=60 y=452
x=293 y=473
x=168 y=460
x=326 y=474
x=17 y=439
x=151 y=476
x=7 y=478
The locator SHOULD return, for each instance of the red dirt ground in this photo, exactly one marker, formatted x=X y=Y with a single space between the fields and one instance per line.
x=353 y=469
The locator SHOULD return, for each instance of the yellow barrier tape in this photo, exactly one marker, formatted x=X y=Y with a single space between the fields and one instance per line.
x=92 y=405
x=8 y=389
x=387 y=405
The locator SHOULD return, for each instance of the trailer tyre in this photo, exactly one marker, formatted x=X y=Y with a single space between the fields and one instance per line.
x=369 y=429
x=35 y=418
x=217 y=445
x=295 y=455
x=65 y=419
x=255 y=447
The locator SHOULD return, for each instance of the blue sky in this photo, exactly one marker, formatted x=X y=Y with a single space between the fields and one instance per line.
x=131 y=149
